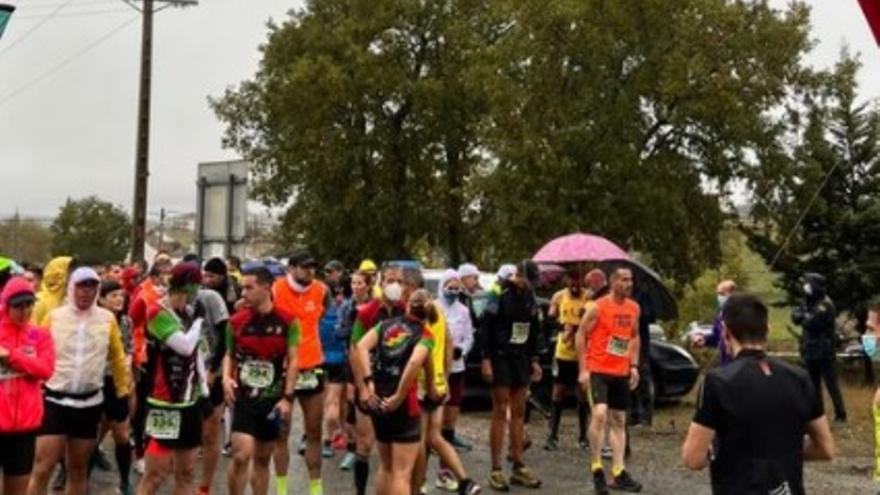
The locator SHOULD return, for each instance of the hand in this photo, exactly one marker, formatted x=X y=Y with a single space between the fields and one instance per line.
x=584 y=380
x=633 y=378
x=229 y=389
x=392 y=403
x=368 y=398
x=568 y=337
x=4 y=352
x=486 y=369
x=283 y=407
x=537 y=372
x=699 y=340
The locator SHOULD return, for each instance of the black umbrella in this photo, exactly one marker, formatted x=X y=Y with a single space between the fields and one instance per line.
x=5 y=13
x=665 y=306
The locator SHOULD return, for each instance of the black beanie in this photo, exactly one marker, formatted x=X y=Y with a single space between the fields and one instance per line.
x=216 y=266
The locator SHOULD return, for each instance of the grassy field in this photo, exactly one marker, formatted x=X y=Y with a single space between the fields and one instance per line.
x=761 y=282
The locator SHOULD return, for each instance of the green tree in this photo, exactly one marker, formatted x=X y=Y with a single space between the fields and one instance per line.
x=24 y=239
x=91 y=230
x=483 y=129
x=820 y=210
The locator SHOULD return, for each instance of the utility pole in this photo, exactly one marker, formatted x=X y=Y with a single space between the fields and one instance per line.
x=161 y=229
x=142 y=153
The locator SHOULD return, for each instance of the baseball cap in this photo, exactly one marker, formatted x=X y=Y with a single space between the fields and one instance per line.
x=368 y=265
x=302 y=259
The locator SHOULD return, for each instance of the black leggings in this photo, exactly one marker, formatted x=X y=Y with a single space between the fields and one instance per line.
x=139 y=418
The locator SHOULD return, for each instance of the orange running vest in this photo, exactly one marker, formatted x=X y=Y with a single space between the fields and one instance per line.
x=608 y=343
x=307 y=307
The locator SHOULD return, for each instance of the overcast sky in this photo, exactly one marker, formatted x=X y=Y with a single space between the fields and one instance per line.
x=69 y=130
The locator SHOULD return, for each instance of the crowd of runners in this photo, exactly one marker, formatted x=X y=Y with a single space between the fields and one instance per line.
x=185 y=361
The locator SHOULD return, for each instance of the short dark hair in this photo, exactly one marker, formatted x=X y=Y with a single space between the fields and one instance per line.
x=745 y=317
x=234 y=261
x=262 y=274
x=618 y=272
x=413 y=276
x=874 y=305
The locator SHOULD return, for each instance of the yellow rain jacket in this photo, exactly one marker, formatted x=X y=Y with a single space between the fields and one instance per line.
x=52 y=289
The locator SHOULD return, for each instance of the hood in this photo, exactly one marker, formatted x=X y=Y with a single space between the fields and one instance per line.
x=448 y=275
x=16 y=285
x=55 y=276
x=80 y=275
x=817 y=283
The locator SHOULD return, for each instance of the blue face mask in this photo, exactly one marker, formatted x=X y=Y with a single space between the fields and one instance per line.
x=869 y=343
x=450 y=296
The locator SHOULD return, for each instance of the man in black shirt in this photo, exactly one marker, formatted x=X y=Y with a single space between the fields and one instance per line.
x=754 y=413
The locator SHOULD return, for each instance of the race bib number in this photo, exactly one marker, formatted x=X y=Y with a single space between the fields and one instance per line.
x=163 y=424
x=520 y=333
x=257 y=374
x=307 y=380
x=618 y=346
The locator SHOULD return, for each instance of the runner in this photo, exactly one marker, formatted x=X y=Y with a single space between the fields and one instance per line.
x=116 y=410
x=870 y=341
x=361 y=283
x=369 y=266
x=402 y=347
x=461 y=328
x=27 y=359
x=335 y=363
x=259 y=377
x=176 y=377
x=148 y=293
x=608 y=340
x=306 y=299
x=87 y=340
x=233 y=265
x=456 y=478
x=53 y=288
x=388 y=306
x=210 y=306
x=510 y=362
x=215 y=276
x=568 y=306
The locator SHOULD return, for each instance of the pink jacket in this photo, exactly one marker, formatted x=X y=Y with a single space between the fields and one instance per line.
x=31 y=361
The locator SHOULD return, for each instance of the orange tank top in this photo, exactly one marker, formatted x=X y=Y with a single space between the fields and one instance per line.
x=608 y=343
x=307 y=307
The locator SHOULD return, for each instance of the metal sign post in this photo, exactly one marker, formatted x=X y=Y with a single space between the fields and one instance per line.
x=221 y=209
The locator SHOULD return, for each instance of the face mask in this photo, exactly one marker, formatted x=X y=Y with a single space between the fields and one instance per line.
x=419 y=312
x=450 y=296
x=722 y=300
x=393 y=291
x=808 y=289
x=869 y=342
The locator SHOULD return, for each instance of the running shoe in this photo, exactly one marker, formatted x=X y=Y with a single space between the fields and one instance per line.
x=625 y=483
x=340 y=442
x=461 y=445
x=523 y=477
x=327 y=450
x=140 y=466
x=60 y=479
x=227 y=450
x=446 y=481
x=583 y=443
x=551 y=445
x=498 y=482
x=424 y=489
x=468 y=487
x=600 y=484
x=347 y=463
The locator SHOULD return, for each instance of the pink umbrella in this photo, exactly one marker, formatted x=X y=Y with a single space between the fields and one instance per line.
x=579 y=248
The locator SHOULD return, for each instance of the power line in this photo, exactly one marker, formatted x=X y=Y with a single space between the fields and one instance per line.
x=34 y=29
x=85 y=13
x=33 y=82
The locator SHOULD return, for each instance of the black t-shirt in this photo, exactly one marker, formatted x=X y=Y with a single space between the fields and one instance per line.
x=759 y=408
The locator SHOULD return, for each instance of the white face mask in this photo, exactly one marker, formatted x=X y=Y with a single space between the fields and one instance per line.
x=393 y=291
x=808 y=289
x=721 y=300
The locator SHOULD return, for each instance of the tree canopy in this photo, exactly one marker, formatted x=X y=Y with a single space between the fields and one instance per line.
x=478 y=130
x=91 y=230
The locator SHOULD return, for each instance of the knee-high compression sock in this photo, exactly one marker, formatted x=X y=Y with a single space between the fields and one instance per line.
x=555 y=419
x=582 y=420
x=361 y=474
x=876 y=443
x=123 y=462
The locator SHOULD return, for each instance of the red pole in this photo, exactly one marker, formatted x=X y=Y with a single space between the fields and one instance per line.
x=872 y=14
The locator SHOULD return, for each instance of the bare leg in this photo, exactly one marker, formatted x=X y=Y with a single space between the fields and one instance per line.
x=617 y=436
x=313 y=412
x=15 y=485
x=403 y=456
x=517 y=423
x=48 y=452
x=211 y=446
x=500 y=405
x=157 y=468
x=185 y=471
x=79 y=452
x=260 y=473
x=448 y=456
x=384 y=476
x=242 y=452
x=598 y=419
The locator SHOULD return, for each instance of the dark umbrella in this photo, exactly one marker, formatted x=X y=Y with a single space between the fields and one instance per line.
x=649 y=282
x=5 y=13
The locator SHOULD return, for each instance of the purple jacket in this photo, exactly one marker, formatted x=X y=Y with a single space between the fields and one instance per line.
x=717 y=339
